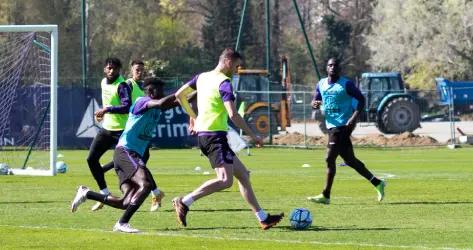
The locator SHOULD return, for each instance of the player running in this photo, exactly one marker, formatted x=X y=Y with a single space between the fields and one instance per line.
x=136 y=88
x=135 y=179
x=215 y=103
x=116 y=102
x=336 y=93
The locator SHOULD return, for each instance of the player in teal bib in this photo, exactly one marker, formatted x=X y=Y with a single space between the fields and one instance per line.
x=215 y=103
x=135 y=83
x=134 y=177
x=336 y=93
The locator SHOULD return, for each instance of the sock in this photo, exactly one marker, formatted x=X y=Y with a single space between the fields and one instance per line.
x=130 y=210
x=261 y=215
x=188 y=200
x=375 y=181
x=155 y=192
x=105 y=191
x=96 y=196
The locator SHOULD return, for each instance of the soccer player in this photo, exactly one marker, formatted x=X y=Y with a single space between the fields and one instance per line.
x=336 y=93
x=135 y=179
x=116 y=102
x=136 y=86
x=215 y=103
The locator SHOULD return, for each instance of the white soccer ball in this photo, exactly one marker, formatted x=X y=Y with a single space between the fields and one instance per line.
x=301 y=218
x=61 y=167
x=4 y=169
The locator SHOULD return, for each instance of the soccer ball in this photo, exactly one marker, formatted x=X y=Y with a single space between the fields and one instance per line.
x=4 y=169
x=61 y=167
x=300 y=218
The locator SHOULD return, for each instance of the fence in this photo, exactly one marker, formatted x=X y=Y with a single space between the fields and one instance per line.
x=446 y=118
x=444 y=115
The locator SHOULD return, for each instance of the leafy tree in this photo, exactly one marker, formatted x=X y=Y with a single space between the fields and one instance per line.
x=220 y=28
x=335 y=42
x=423 y=39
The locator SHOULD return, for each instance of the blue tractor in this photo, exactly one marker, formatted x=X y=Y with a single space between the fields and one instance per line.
x=388 y=103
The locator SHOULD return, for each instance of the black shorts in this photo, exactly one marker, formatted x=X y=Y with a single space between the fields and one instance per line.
x=339 y=137
x=216 y=148
x=126 y=164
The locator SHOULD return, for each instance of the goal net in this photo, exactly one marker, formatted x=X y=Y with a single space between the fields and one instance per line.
x=28 y=99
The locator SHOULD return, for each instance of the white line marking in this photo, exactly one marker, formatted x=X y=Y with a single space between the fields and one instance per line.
x=241 y=239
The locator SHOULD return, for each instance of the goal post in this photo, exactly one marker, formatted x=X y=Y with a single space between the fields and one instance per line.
x=28 y=70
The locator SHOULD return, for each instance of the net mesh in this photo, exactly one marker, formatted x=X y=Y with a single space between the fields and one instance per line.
x=24 y=99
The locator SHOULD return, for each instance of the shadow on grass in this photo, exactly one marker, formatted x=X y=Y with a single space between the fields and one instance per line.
x=207 y=228
x=281 y=228
x=31 y=202
x=213 y=210
x=321 y=229
x=430 y=203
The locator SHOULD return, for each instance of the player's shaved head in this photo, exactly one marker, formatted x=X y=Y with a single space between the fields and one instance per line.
x=229 y=54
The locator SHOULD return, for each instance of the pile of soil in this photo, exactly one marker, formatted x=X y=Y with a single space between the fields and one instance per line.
x=404 y=139
x=298 y=139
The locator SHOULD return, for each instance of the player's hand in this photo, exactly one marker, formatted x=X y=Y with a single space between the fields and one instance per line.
x=191 y=126
x=99 y=115
x=316 y=104
x=351 y=124
x=258 y=141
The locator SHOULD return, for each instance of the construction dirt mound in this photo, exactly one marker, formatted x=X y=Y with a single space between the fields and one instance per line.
x=404 y=139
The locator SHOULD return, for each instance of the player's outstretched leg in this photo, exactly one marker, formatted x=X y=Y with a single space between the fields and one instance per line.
x=157 y=195
x=81 y=197
x=156 y=200
x=349 y=156
x=331 y=171
x=181 y=210
x=223 y=180
x=141 y=183
x=380 y=189
x=242 y=174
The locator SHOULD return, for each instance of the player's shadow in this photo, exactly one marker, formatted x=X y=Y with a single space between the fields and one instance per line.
x=215 y=210
x=430 y=203
x=320 y=229
x=284 y=228
x=209 y=228
x=30 y=202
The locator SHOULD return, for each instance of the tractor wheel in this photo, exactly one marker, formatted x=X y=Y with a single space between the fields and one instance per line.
x=259 y=122
x=400 y=115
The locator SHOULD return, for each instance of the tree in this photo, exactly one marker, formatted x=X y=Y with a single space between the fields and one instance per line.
x=423 y=39
x=220 y=28
x=335 y=42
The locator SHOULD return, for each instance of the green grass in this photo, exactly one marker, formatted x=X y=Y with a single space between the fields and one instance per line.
x=429 y=204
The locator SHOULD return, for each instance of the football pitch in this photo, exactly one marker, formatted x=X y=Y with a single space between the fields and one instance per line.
x=428 y=205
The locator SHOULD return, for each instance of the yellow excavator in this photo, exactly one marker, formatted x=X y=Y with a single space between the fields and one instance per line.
x=264 y=104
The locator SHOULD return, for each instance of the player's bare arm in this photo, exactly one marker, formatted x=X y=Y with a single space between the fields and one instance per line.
x=166 y=102
x=182 y=97
x=238 y=120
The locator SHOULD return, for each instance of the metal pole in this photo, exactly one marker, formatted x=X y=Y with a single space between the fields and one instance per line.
x=314 y=63
x=452 y=118
x=305 y=123
x=84 y=43
x=242 y=17
x=268 y=63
